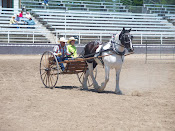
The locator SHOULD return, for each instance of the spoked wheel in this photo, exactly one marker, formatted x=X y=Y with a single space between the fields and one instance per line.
x=49 y=69
x=89 y=81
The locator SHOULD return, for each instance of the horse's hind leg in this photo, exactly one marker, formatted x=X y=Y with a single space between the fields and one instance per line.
x=90 y=67
x=117 y=89
x=103 y=85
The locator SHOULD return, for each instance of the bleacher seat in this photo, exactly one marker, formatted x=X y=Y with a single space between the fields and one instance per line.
x=85 y=22
x=160 y=9
x=76 y=5
x=75 y=20
x=19 y=33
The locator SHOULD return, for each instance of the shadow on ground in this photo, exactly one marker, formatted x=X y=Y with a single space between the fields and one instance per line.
x=67 y=87
x=89 y=90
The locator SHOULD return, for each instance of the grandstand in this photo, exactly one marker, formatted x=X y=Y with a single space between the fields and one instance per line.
x=19 y=33
x=88 y=20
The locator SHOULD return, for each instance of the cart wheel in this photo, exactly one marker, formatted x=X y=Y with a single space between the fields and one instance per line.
x=49 y=69
x=89 y=81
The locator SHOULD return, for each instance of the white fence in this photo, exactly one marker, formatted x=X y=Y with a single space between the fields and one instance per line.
x=139 y=38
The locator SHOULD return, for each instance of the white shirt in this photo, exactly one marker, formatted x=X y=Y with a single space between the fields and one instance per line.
x=28 y=16
x=58 y=49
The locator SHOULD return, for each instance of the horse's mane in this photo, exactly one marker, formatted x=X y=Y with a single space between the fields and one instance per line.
x=117 y=37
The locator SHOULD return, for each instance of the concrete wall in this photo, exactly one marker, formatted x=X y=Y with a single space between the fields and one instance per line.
x=40 y=49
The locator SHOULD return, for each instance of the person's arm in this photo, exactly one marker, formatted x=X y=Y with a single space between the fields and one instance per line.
x=69 y=53
x=74 y=50
x=75 y=53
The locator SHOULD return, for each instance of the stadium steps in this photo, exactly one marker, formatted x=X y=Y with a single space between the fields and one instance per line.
x=51 y=37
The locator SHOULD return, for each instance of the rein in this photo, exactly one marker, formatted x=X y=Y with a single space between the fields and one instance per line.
x=84 y=59
x=110 y=49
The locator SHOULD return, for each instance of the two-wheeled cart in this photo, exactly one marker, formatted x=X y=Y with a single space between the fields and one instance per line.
x=50 y=69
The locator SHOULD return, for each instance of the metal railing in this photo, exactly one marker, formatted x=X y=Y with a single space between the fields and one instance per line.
x=86 y=36
x=9 y=36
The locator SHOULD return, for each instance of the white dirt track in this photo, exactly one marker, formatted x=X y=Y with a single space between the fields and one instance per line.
x=148 y=102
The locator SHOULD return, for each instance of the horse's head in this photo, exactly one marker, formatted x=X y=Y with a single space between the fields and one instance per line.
x=126 y=39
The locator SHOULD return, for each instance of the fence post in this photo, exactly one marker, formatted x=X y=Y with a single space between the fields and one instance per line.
x=33 y=37
x=65 y=35
x=56 y=37
x=161 y=39
x=79 y=38
x=160 y=45
x=100 y=37
x=65 y=20
x=146 y=58
x=8 y=37
x=173 y=52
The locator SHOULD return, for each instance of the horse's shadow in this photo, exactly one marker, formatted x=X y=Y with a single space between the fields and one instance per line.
x=76 y=87
x=105 y=92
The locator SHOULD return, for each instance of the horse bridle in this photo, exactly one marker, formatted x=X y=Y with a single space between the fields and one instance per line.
x=124 y=37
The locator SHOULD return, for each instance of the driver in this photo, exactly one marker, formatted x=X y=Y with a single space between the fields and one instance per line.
x=60 y=51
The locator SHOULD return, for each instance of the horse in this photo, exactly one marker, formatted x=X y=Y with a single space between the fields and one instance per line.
x=110 y=55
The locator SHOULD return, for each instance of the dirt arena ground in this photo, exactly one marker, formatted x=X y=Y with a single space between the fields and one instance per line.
x=148 y=102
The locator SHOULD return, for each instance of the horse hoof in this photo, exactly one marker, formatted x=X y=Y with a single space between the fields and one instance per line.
x=102 y=85
x=96 y=87
x=119 y=93
x=100 y=90
x=85 y=89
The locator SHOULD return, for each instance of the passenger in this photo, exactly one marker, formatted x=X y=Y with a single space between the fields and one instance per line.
x=60 y=51
x=71 y=47
x=13 y=21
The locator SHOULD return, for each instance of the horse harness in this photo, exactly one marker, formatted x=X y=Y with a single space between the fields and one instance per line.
x=113 y=49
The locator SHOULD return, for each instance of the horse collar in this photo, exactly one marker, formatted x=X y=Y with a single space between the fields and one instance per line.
x=115 y=50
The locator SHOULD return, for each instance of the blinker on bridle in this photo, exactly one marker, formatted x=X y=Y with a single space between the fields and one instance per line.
x=124 y=37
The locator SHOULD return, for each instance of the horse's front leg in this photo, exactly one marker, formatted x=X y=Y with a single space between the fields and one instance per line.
x=103 y=85
x=117 y=89
x=85 y=87
x=90 y=67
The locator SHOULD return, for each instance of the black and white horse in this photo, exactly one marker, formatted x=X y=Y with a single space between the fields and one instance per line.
x=113 y=57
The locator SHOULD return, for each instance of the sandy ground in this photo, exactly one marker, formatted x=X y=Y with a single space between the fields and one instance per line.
x=148 y=102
